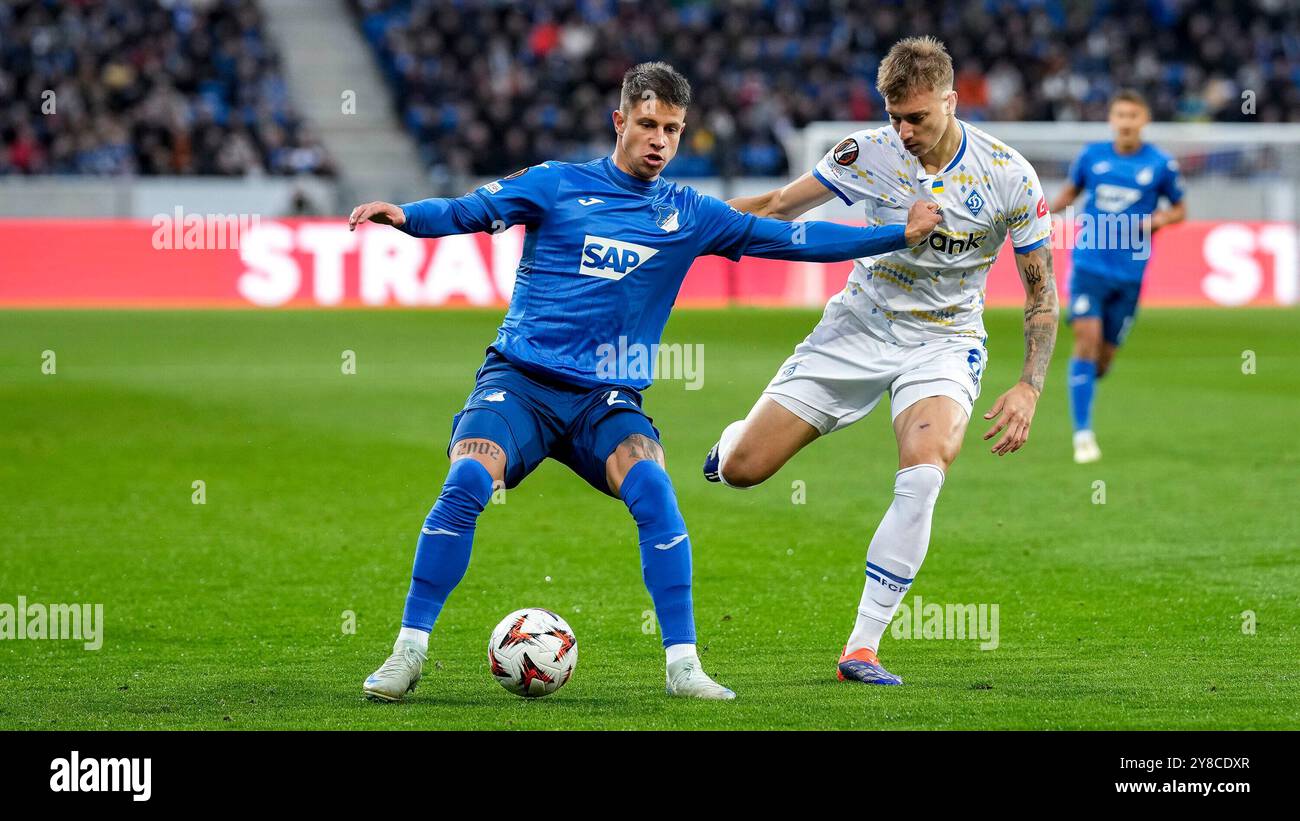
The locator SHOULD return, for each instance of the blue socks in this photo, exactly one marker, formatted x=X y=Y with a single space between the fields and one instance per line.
x=1083 y=379
x=665 y=549
x=442 y=553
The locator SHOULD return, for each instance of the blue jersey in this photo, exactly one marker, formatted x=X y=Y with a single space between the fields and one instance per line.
x=1120 y=185
x=606 y=252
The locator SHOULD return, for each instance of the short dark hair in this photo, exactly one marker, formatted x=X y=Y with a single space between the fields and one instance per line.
x=654 y=80
x=1128 y=95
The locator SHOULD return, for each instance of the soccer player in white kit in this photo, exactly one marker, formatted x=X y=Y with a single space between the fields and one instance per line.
x=908 y=323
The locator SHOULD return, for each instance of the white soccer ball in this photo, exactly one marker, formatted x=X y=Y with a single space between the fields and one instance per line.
x=532 y=652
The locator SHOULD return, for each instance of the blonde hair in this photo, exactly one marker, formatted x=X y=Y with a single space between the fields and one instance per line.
x=914 y=64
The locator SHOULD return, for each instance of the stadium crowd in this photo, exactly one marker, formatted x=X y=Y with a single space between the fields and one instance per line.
x=157 y=87
x=489 y=86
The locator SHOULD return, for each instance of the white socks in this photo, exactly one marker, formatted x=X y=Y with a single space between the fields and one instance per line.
x=896 y=552
x=420 y=637
x=677 y=652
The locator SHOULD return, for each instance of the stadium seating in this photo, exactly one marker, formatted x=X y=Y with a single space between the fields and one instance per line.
x=129 y=87
x=195 y=86
x=488 y=87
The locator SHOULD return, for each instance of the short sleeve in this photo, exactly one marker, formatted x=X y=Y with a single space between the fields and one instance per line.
x=1171 y=182
x=843 y=170
x=1028 y=221
x=725 y=230
x=522 y=197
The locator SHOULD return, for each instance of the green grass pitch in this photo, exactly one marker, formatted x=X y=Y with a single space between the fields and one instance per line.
x=232 y=614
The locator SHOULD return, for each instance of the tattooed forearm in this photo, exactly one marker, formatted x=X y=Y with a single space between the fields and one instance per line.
x=1041 y=314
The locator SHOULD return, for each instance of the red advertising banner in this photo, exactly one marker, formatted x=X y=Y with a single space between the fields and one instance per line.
x=216 y=261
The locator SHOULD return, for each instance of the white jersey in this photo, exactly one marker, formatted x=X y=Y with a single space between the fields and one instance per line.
x=936 y=288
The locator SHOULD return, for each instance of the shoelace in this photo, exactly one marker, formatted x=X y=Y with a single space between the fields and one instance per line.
x=687 y=672
x=396 y=663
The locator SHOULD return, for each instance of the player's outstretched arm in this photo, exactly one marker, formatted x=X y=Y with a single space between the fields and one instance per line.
x=1042 y=313
x=436 y=217
x=817 y=241
x=384 y=213
x=522 y=198
x=786 y=203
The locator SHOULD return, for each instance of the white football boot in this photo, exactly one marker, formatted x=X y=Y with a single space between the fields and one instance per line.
x=687 y=679
x=1085 y=447
x=398 y=675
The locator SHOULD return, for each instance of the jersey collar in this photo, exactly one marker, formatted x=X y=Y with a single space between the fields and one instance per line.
x=1142 y=147
x=626 y=180
x=961 y=150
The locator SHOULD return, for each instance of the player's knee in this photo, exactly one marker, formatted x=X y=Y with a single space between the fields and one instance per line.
x=941 y=454
x=465 y=493
x=1087 y=338
x=1087 y=347
x=940 y=447
x=744 y=468
x=918 y=486
x=483 y=451
x=638 y=447
x=633 y=450
x=648 y=493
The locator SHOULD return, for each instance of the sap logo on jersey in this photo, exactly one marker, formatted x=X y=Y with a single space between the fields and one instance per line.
x=1114 y=198
x=611 y=258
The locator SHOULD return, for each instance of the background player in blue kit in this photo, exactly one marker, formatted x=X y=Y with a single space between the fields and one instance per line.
x=608 y=244
x=1124 y=181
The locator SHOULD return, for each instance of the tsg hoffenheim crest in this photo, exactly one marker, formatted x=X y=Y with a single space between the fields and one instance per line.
x=666 y=218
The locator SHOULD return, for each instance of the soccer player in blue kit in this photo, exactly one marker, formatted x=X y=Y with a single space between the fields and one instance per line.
x=1124 y=180
x=608 y=244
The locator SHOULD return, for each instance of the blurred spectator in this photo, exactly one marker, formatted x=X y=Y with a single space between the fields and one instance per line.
x=145 y=87
x=487 y=86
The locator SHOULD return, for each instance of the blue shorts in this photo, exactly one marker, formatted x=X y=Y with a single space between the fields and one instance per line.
x=533 y=416
x=1114 y=301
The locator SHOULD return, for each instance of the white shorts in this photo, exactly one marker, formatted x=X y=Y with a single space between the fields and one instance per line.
x=838 y=374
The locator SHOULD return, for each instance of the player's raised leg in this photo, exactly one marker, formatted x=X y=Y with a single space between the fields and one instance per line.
x=635 y=472
x=752 y=449
x=929 y=434
x=441 y=558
